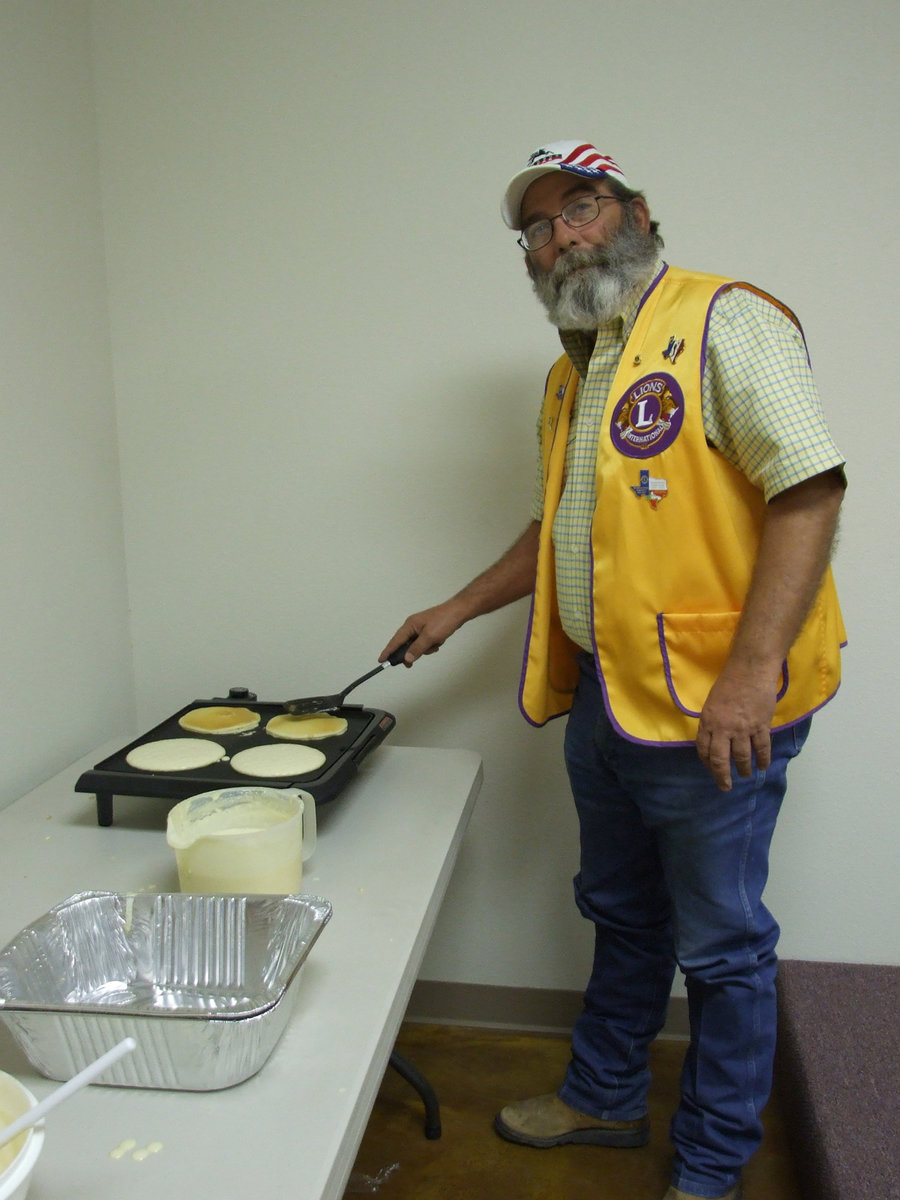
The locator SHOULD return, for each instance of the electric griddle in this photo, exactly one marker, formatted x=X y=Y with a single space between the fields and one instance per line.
x=366 y=729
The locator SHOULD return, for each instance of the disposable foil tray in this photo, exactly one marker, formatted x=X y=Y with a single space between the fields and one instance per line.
x=204 y=984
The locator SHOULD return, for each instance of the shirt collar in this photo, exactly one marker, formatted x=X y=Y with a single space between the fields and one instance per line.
x=579 y=344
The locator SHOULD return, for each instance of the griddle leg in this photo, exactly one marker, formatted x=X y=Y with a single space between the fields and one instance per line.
x=416 y=1079
x=104 y=808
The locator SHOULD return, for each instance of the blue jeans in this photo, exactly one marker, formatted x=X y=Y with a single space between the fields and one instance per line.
x=672 y=873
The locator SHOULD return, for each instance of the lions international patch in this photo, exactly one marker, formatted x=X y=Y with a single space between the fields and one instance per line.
x=649 y=416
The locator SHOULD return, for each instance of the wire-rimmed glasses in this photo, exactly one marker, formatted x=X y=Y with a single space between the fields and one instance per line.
x=576 y=213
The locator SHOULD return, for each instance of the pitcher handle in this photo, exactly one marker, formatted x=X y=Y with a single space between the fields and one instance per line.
x=309 y=824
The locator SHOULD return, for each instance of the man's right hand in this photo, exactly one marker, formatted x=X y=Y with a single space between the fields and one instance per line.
x=429 y=629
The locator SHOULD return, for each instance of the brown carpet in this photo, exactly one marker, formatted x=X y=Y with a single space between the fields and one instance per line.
x=475 y=1072
x=839 y=1059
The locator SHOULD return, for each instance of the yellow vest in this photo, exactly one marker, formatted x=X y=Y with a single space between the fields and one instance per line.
x=674 y=541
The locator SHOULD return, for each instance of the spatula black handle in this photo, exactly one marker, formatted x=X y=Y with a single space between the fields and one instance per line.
x=392 y=660
x=396 y=658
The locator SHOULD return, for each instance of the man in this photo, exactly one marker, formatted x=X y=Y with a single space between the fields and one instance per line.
x=684 y=615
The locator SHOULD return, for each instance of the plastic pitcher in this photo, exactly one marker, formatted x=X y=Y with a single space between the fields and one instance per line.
x=244 y=840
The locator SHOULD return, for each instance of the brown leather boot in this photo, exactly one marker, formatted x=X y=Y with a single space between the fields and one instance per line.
x=545 y=1121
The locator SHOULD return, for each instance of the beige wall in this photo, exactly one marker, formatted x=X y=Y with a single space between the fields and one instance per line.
x=65 y=657
x=327 y=366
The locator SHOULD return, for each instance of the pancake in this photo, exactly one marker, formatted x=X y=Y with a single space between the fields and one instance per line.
x=175 y=754
x=269 y=762
x=219 y=718
x=310 y=728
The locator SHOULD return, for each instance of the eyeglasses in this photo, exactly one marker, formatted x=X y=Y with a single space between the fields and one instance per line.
x=579 y=212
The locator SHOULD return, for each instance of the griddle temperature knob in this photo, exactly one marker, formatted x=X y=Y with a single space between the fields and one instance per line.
x=241 y=693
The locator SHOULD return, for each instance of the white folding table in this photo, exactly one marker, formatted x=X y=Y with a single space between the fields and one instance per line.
x=386 y=849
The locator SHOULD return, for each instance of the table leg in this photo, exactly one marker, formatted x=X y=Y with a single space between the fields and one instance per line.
x=416 y=1079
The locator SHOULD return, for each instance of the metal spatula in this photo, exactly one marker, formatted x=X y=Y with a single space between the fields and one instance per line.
x=311 y=704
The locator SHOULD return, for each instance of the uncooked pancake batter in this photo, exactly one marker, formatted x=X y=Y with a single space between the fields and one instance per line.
x=175 y=754
x=269 y=762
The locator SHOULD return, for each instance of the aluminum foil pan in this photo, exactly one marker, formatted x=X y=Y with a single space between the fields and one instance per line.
x=202 y=983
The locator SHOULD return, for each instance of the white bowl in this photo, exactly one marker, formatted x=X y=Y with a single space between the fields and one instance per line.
x=15 y=1100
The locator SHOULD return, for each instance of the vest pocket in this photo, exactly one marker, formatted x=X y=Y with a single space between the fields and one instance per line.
x=694 y=647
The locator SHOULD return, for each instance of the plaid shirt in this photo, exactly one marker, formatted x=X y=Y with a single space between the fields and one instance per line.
x=761 y=410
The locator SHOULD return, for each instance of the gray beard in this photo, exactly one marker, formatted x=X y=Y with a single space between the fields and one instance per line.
x=585 y=289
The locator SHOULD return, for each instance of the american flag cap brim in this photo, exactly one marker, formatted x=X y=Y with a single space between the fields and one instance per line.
x=579 y=158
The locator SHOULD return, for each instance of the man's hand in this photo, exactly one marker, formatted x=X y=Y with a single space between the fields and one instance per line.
x=429 y=628
x=735 y=725
x=797 y=535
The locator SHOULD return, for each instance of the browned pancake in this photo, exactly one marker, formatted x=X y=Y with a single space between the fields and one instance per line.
x=309 y=728
x=219 y=718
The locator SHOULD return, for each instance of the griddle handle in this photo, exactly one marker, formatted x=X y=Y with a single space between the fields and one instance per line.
x=373 y=738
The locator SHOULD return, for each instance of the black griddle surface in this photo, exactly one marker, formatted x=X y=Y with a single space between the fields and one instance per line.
x=366 y=728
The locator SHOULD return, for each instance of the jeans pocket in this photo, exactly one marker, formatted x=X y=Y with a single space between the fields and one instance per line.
x=798 y=733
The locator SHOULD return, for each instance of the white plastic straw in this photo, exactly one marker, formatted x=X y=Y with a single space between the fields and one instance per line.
x=90 y=1072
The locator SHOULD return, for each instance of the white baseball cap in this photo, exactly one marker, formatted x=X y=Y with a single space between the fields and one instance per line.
x=579 y=158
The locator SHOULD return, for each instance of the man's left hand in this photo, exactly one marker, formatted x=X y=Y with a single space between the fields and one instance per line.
x=795 y=544
x=735 y=726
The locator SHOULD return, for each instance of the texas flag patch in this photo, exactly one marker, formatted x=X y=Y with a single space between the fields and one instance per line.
x=654 y=489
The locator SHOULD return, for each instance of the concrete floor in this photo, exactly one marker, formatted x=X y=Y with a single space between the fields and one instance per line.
x=474 y=1073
